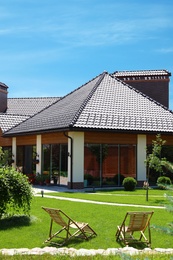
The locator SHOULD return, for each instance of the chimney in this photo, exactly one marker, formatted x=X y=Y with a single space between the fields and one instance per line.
x=3 y=97
x=153 y=83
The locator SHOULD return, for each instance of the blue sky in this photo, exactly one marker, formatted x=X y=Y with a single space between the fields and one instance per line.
x=51 y=47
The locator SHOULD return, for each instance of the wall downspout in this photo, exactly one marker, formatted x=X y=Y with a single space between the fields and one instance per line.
x=71 y=160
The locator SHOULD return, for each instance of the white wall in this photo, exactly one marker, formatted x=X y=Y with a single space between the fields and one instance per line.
x=141 y=156
x=14 y=149
x=78 y=156
x=38 y=151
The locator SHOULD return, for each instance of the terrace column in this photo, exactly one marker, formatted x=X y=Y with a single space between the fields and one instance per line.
x=38 y=155
x=76 y=160
x=141 y=157
x=14 y=149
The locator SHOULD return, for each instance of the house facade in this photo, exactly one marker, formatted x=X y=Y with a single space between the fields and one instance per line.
x=99 y=131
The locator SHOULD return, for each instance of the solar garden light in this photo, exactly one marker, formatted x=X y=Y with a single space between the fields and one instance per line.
x=42 y=193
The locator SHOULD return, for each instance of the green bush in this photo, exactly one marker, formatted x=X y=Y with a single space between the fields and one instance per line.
x=89 y=178
x=118 y=177
x=163 y=181
x=129 y=184
x=15 y=192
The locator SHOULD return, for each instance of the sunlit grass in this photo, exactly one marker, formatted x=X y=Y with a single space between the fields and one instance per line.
x=97 y=257
x=138 y=197
x=102 y=218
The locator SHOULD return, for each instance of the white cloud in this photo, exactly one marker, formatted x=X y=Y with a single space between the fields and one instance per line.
x=95 y=24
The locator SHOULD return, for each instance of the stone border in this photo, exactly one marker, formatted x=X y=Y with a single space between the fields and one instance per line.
x=84 y=252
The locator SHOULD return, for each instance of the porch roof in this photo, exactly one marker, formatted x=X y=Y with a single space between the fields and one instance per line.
x=104 y=103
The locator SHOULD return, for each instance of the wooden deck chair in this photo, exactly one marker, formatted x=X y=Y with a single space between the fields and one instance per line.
x=135 y=222
x=69 y=226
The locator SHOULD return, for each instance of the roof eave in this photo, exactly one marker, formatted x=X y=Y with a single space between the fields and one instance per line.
x=87 y=129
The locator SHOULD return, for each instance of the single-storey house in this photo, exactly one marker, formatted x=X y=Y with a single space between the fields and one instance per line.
x=99 y=131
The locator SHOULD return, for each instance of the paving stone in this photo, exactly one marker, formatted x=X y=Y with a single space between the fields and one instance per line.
x=83 y=252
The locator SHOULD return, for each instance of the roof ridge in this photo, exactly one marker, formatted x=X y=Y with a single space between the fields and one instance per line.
x=141 y=93
x=30 y=117
x=82 y=86
x=88 y=97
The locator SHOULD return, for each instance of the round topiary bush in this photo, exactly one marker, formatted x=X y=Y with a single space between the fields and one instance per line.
x=129 y=184
x=163 y=181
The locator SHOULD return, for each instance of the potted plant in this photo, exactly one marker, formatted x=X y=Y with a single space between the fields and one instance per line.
x=31 y=178
x=35 y=161
x=88 y=179
x=55 y=177
x=40 y=179
x=47 y=179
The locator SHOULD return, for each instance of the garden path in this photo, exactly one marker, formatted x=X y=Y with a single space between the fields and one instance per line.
x=42 y=190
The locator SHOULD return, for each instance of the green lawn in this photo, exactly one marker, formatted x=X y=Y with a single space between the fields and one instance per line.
x=97 y=257
x=156 y=197
x=22 y=233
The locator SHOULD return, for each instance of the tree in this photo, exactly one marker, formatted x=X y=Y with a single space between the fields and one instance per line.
x=155 y=161
x=15 y=190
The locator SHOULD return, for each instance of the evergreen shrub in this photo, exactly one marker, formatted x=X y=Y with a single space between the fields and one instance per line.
x=117 y=178
x=163 y=182
x=89 y=178
x=15 y=192
x=129 y=184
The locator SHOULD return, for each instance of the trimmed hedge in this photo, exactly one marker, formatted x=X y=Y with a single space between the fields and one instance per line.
x=163 y=181
x=129 y=184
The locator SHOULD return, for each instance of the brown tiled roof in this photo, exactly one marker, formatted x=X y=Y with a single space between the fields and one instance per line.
x=104 y=103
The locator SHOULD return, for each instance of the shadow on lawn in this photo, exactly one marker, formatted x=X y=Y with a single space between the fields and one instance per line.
x=57 y=242
x=14 y=222
x=160 y=202
x=136 y=244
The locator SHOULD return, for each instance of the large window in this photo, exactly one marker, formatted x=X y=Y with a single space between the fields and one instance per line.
x=54 y=158
x=107 y=164
x=25 y=159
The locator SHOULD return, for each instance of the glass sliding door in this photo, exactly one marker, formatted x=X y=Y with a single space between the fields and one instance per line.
x=108 y=164
x=127 y=160
x=54 y=162
x=25 y=159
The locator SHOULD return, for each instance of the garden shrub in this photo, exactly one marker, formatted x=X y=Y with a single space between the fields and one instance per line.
x=129 y=183
x=15 y=192
x=163 y=181
x=89 y=178
x=120 y=178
